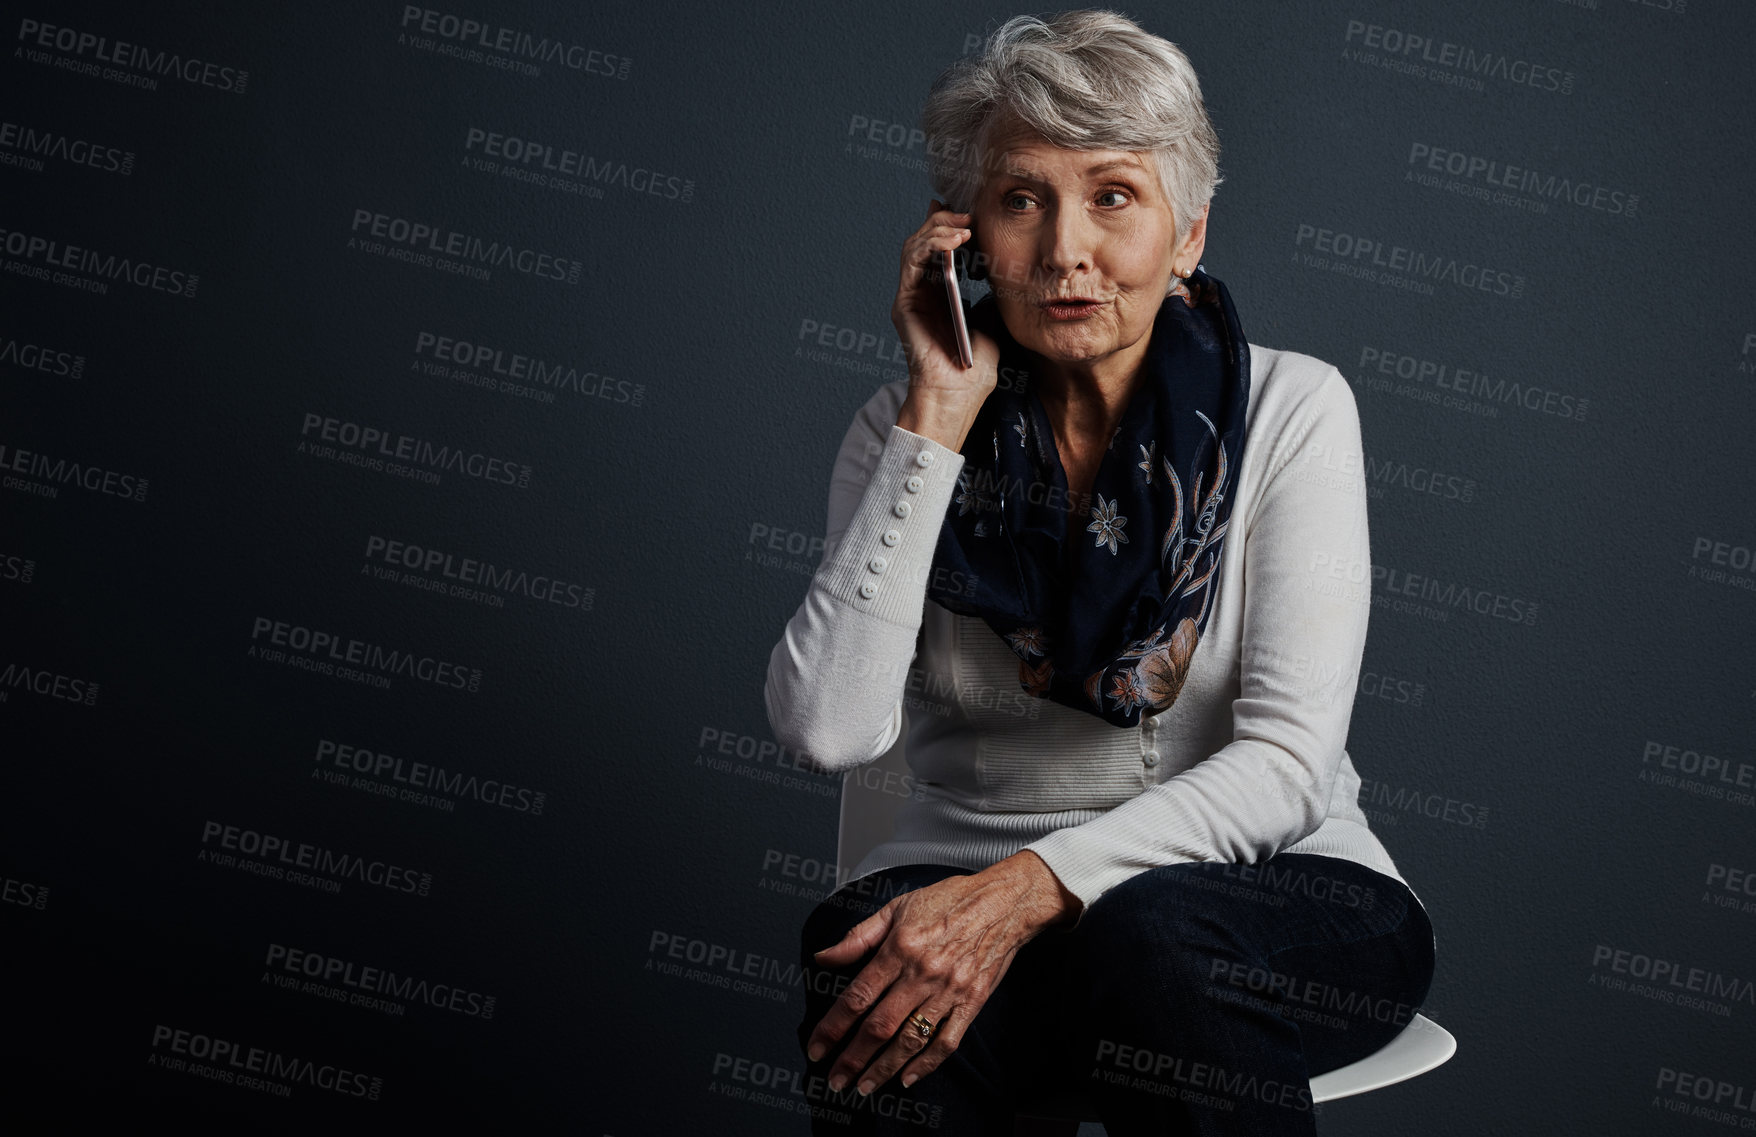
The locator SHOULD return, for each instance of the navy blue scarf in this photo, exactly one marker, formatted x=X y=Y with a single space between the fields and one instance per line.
x=1105 y=623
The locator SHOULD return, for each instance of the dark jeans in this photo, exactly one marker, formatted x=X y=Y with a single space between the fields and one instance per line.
x=1194 y=998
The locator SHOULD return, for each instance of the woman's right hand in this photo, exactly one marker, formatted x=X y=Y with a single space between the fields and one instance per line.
x=943 y=396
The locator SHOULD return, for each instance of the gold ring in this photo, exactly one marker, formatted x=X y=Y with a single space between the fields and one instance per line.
x=922 y=1024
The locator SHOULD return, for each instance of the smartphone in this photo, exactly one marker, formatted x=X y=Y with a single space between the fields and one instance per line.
x=959 y=325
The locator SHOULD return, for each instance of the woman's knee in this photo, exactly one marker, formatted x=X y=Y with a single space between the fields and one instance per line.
x=1165 y=930
x=1164 y=906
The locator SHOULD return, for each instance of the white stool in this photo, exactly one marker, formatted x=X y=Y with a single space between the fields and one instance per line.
x=868 y=817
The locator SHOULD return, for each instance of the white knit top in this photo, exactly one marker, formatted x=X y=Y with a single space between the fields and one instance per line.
x=1249 y=761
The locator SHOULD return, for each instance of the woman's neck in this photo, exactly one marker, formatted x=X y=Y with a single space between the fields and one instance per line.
x=1084 y=409
x=1085 y=399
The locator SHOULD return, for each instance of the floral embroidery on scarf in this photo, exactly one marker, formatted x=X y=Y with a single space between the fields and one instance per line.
x=1107 y=524
x=1027 y=642
x=968 y=498
x=1125 y=690
x=1186 y=557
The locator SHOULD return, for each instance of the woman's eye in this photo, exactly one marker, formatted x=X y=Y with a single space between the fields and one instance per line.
x=1114 y=193
x=1011 y=198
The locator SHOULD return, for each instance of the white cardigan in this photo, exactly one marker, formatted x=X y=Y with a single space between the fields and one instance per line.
x=1249 y=761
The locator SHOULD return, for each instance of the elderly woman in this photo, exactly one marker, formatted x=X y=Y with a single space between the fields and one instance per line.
x=1155 y=887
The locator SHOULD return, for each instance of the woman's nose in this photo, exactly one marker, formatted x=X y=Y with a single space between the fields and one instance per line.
x=1068 y=244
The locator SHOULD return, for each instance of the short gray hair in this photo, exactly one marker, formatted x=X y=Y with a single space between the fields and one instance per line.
x=1084 y=80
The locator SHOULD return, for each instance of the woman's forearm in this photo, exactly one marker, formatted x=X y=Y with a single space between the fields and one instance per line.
x=836 y=678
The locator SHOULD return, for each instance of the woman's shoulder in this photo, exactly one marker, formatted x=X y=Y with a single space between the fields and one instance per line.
x=1286 y=382
x=1297 y=401
x=1290 y=391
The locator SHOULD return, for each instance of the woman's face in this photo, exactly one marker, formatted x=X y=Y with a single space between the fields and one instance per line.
x=1090 y=224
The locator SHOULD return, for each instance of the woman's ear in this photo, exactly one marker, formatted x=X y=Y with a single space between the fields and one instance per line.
x=1195 y=241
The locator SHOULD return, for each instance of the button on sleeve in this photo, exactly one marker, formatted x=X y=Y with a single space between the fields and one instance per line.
x=882 y=562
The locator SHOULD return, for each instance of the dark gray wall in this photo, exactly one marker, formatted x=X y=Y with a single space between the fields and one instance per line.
x=1571 y=790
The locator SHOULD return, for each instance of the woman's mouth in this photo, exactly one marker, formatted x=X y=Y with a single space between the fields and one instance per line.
x=1074 y=309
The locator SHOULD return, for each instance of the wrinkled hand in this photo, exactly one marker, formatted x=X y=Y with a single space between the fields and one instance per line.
x=942 y=950
x=921 y=314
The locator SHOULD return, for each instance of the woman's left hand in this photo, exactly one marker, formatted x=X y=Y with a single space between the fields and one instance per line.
x=941 y=950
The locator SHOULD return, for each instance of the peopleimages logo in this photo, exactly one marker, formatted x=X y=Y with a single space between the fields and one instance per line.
x=58 y=471
x=39 y=357
x=47 y=259
x=541 y=163
x=1391 y=584
x=25 y=147
x=53 y=473
x=402 y=454
x=15 y=676
x=253 y=1066
x=512 y=48
x=485 y=365
x=388 y=770
x=1701 y=1095
x=1454 y=64
x=434 y=246
x=38 y=39
x=329 y=652
x=265 y=854
x=1671 y=981
x=480 y=576
x=1400 y=266
x=328 y=976
x=1471 y=381
x=1425 y=162
x=23 y=893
